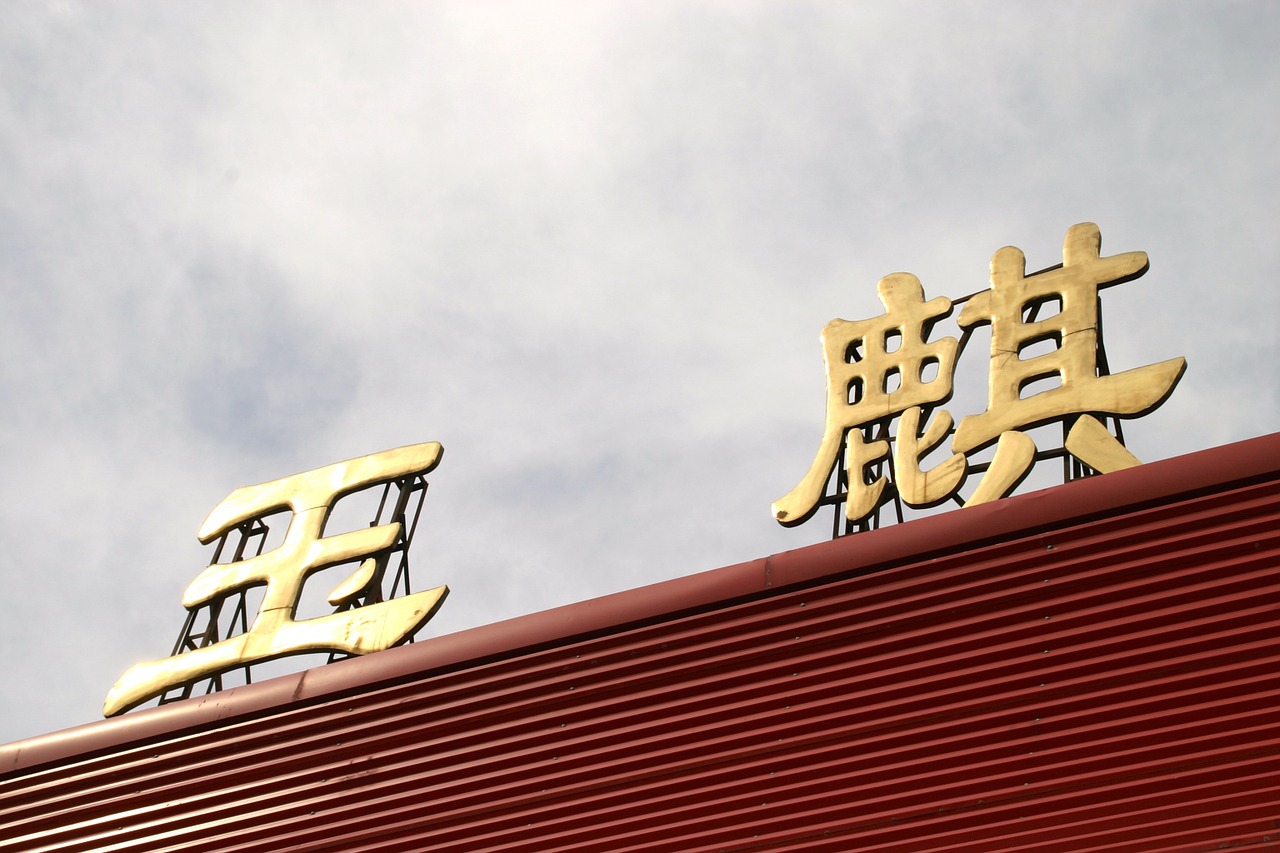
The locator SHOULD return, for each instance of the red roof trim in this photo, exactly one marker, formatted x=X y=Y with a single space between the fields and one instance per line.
x=1254 y=459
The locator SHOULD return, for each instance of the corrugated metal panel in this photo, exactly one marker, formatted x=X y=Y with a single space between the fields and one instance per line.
x=1102 y=685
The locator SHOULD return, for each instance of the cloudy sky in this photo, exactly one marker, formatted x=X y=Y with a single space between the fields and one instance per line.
x=588 y=247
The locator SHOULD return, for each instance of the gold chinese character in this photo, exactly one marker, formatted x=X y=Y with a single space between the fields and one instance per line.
x=876 y=369
x=274 y=632
x=1012 y=306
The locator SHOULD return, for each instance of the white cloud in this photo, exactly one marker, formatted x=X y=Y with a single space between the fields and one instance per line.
x=587 y=246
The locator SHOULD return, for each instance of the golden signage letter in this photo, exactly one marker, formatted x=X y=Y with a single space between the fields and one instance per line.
x=1068 y=299
x=877 y=369
x=305 y=550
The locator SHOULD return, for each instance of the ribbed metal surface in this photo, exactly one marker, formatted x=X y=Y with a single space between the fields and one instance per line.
x=1103 y=686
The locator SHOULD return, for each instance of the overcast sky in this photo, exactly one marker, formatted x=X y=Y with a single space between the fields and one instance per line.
x=589 y=247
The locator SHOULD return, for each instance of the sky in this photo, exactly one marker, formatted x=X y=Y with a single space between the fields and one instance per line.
x=588 y=247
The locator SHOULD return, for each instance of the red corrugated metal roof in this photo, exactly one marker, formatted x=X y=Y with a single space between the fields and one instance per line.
x=1089 y=667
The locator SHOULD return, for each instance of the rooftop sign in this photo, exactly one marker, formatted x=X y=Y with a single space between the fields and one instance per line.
x=886 y=368
x=363 y=621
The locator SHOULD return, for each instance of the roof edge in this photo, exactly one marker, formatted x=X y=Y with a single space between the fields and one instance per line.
x=1162 y=481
